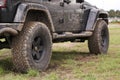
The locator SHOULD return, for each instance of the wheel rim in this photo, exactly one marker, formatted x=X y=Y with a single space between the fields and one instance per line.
x=104 y=39
x=37 y=48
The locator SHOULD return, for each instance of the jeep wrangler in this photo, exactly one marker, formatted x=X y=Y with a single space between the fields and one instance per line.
x=29 y=27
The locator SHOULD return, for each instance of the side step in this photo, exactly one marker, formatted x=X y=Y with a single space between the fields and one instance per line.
x=71 y=35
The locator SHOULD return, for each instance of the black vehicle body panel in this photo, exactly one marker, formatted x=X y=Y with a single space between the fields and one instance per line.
x=62 y=17
x=7 y=14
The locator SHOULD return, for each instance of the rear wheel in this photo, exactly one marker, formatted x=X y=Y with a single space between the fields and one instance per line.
x=32 y=47
x=98 y=43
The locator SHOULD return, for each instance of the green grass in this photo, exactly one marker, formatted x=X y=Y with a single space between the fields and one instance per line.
x=71 y=61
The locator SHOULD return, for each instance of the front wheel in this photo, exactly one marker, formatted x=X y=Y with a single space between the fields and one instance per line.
x=32 y=47
x=98 y=43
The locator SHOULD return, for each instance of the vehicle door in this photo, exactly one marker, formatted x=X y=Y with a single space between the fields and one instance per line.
x=73 y=16
x=56 y=11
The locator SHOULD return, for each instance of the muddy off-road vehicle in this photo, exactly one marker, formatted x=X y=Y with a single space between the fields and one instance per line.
x=29 y=27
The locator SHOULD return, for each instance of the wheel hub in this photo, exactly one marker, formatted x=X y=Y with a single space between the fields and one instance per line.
x=103 y=38
x=37 y=48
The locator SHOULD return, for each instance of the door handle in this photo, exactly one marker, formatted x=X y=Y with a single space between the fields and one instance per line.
x=67 y=1
x=62 y=4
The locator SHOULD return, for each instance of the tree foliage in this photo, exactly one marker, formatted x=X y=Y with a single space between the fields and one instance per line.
x=113 y=13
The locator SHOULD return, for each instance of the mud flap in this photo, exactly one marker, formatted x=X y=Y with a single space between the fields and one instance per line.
x=91 y=19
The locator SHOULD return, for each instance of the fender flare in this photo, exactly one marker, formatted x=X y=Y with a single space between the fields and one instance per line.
x=103 y=12
x=105 y=15
x=23 y=9
x=94 y=17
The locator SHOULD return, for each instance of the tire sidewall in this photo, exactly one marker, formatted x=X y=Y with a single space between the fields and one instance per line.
x=94 y=42
x=105 y=28
x=102 y=25
x=39 y=30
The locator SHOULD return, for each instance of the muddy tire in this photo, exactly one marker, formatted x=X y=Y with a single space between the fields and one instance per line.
x=98 y=43
x=31 y=49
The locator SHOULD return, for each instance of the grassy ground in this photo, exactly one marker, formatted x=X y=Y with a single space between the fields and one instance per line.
x=72 y=61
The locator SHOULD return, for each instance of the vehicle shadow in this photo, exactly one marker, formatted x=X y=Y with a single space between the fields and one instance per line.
x=6 y=64
x=67 y=55
x=58 y=58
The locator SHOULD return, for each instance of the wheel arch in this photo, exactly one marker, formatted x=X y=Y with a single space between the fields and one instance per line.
x=104 y=16
x=33 y=12
x=94 y=16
